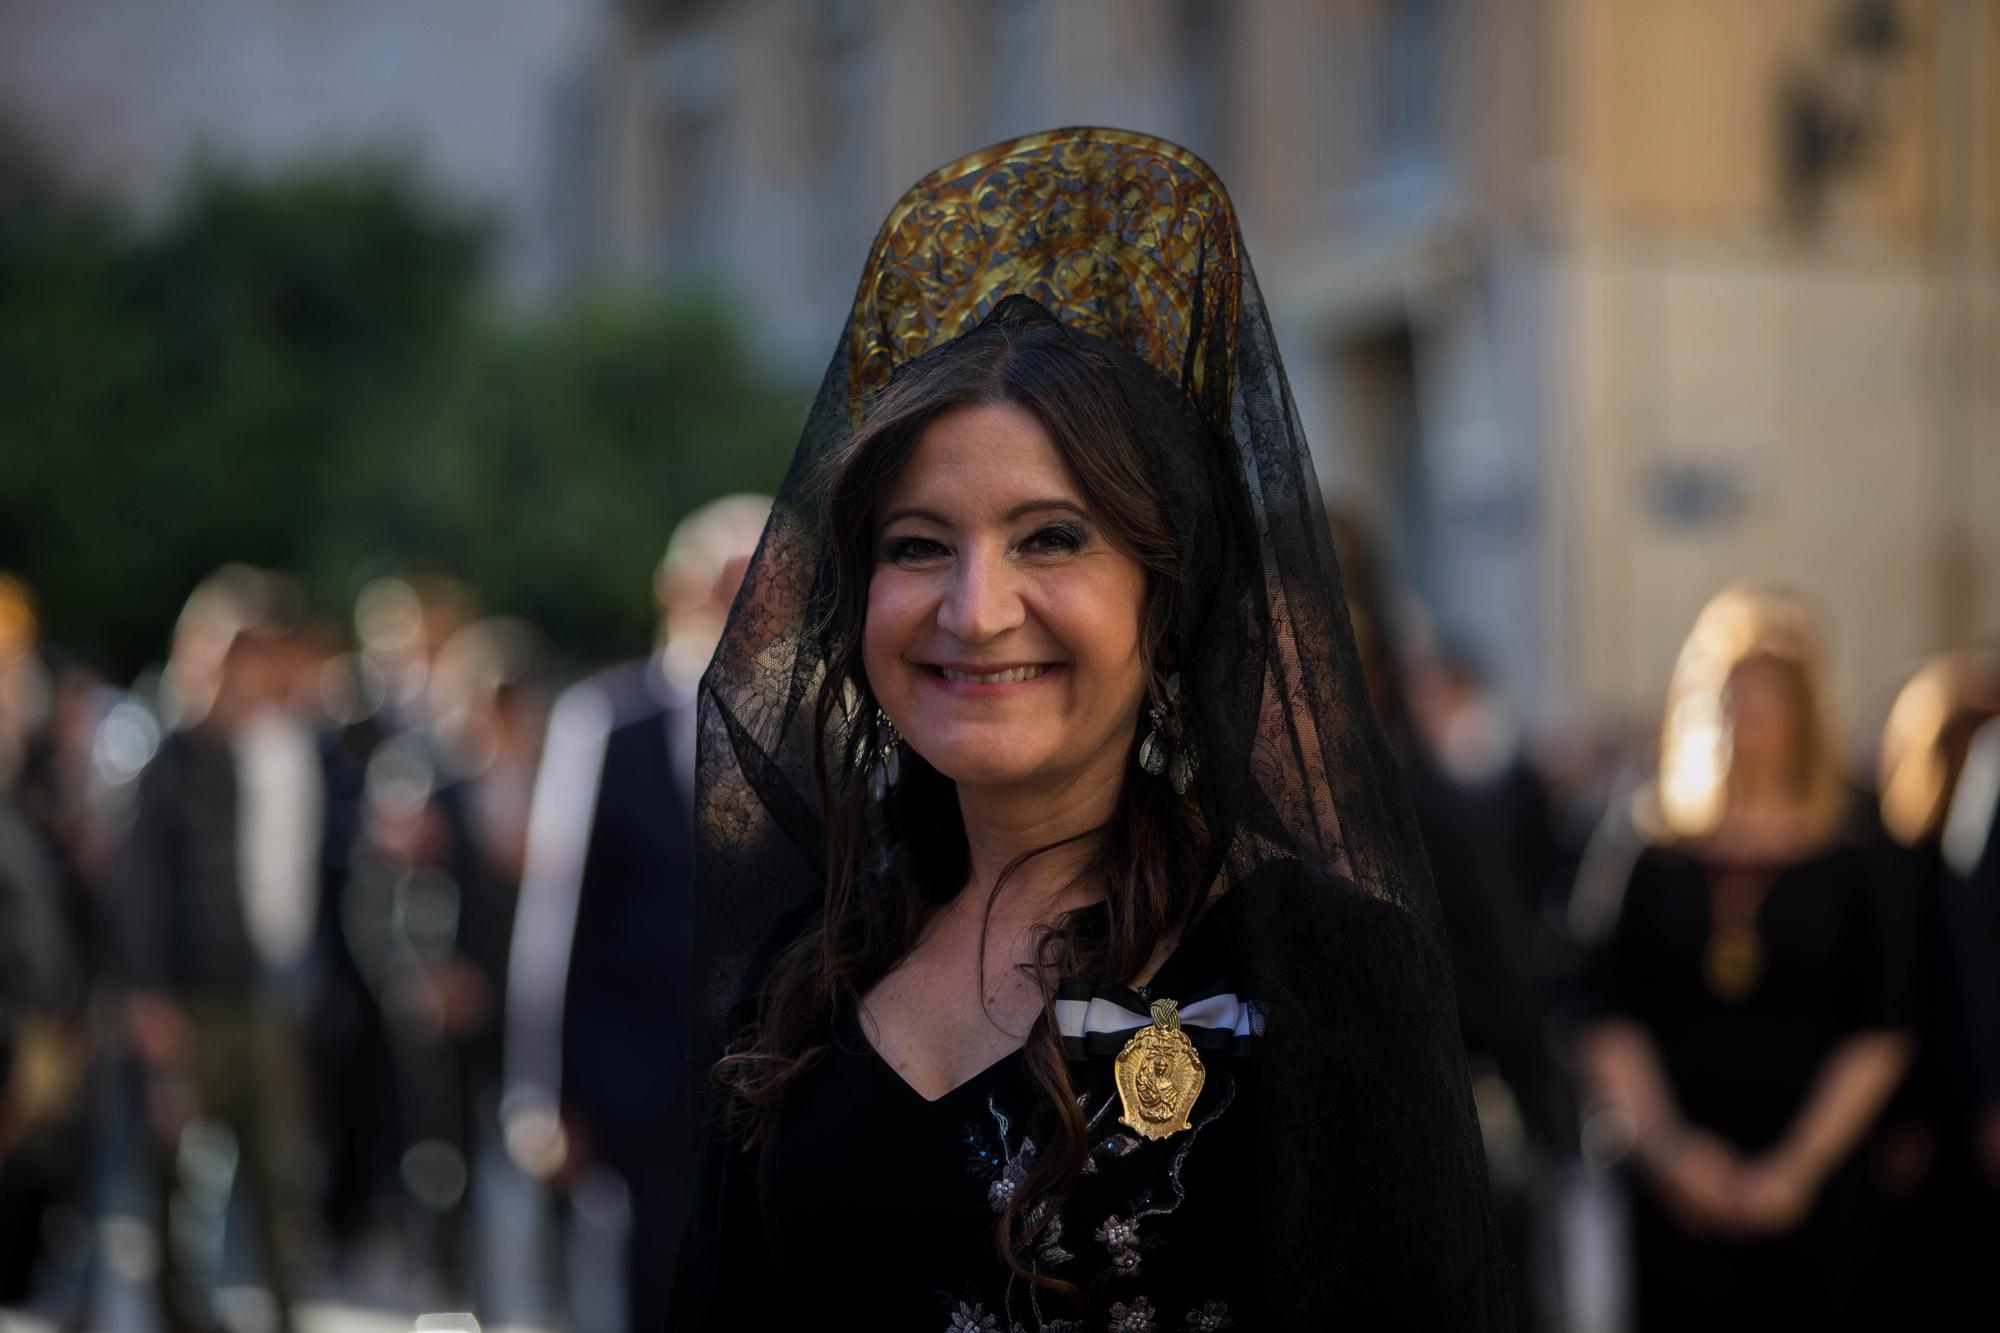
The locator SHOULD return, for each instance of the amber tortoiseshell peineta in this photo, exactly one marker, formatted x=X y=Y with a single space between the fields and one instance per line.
x=1118 y=234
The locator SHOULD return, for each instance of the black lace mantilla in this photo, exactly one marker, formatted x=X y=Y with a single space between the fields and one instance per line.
x=1354 y=1107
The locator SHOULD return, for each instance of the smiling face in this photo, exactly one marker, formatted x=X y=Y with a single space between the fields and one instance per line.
x=1003 y=628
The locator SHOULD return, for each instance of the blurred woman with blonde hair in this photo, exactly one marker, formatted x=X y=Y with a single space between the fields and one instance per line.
x=1753 y=996
x=1937 y=1163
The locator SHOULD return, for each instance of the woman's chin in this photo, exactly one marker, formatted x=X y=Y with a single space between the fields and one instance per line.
x=985 y=774
x=980 y=766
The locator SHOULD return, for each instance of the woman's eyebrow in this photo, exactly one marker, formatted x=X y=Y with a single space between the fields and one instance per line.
x=1032 y=505
x=912 y=511
x=1026 y=507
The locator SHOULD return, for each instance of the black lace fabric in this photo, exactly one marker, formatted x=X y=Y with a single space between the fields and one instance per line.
x=1371 y=1183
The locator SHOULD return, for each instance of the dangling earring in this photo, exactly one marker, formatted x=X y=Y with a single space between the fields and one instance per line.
x=1167 y=748
x=888 y=766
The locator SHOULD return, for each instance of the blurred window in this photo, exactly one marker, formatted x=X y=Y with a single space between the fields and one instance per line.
x=1020 y=35
x=850 y=63
x=1387 y=78
x=1405 y=105
x=691 y=79
x=1201 y=31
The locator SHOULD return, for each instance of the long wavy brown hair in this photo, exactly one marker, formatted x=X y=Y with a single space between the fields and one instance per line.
x=891 y=865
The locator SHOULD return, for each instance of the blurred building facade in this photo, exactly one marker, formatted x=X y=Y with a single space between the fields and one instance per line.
x=1590 y=306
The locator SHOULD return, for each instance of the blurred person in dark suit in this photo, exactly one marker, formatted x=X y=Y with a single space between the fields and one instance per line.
x=596 y=1099
x=1938 y=1212
x=1971 y=848
x=377 y=691
x=1474 y=737
x=71 y=782
x=403 y=622
x=1485 y=847
x=40 y=973
x=427 y=912
x=489 y=715
x=214 y=901
x=1754 y=997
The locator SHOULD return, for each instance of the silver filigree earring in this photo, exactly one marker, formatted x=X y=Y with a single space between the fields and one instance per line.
x=1167 y=748
x=887 y=768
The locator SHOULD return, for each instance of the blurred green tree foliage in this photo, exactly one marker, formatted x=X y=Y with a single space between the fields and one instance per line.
x=303 y=372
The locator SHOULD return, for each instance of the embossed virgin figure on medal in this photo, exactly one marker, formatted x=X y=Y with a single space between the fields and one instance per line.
x=1159 y=1075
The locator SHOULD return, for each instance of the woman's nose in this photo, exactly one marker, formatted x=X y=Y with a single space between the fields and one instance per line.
x=983 y=601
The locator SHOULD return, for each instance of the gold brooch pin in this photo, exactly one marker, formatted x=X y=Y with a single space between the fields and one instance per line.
x=1159 y=1075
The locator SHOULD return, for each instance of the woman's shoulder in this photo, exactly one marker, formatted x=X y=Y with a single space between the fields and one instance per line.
x=1662 y=860
x=1834 y=854
x=1204 y=948
x=1850 y=862
x=1291 y=894
x=1309 y=933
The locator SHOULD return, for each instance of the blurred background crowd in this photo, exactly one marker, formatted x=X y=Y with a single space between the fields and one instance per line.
x=384 y=394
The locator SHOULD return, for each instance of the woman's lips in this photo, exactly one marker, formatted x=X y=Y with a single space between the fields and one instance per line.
x=967 y=682
x=993 y=676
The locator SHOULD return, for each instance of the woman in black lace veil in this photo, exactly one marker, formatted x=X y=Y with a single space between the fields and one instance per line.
x=1339 y=1182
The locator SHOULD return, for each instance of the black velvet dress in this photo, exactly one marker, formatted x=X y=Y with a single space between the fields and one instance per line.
x=877 y=1208
x=1837 y=944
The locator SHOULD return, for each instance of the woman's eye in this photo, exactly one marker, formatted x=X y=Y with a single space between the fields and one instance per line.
x=1057 y=537
x=905 y=550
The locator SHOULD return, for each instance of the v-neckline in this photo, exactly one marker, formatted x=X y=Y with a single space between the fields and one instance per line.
x=895 y=1075
x=853 y=1016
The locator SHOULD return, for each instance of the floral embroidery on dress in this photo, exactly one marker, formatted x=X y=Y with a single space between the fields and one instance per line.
x=1212 y=1317
x=1122 y=1239
x=1048 y=1246
x=1117 y=1234
x=1004 y=1170
x=1003 y=1163
x=1120 y=1235
x=1003 y=1186
x=971 y=1317
x=1138 y=1317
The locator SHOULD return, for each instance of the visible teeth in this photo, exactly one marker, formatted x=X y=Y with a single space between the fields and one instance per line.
x=1015 y=673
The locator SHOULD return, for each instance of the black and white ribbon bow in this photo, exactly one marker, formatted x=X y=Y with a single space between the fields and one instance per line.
x=1097 y=1020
